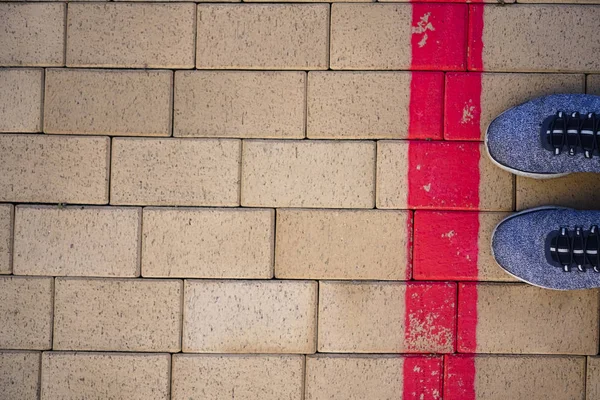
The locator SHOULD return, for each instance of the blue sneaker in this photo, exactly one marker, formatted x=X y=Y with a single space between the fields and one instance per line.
x=547 y=137
x=550 y=247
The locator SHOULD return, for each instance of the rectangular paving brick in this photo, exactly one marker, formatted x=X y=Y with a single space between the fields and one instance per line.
x=530 y=30
x=386 y=317
x=54 y=169
x=250 y=316
x=26 y=312
x=240 y=104
x=108 y=102
x=265 y=377
x=21 y=100
x=6 y=237
x=377 y=105
x=514 y=377
x=343 y=244
x=178 y=172
x=118 y=376
x=398 y=36
x=358 y=377
x=117 y=315
x=515 y=318
x=593 y=378
x=208 y=243
x=575 y=190
x=32 y=34
x=262 y=36
x=473 y=99
x=321 y=174
x=593 y=85
x=19 y=374
x=77 y=241
x=455 y=245
x=131 y=35
x=440 y=175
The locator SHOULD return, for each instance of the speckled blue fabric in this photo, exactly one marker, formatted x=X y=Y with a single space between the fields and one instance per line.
x=513 y=138
x=519 y=243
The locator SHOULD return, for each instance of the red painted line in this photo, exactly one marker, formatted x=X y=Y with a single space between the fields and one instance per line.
x=439 y=34
x=475 y=46
x=443 y=175
x=446 y=245
x=409 y=245
x=430 y=317
x=462 y=106
x=426 y=108
x=459 y=377
x=422 y=378
x=467 y=318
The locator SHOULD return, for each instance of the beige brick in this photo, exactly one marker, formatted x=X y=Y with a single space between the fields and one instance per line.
x=25 y=312
x=244 y=377
x=131 y=35
x=208 y=243
x=54 y=169
x=534 y=40
x=19 y=375
x=324 y=174
x=117 y=376
x=575 y=190
x=239 y=104
x=593 y=85
x=77 y=241
x=250 y=317
x=32 y=34
x=359 y=377
x=351 y=105
x=515 y=318
x=593 y=378
x=117 y=315
x=342 y=244
x=180 y=172
x=105 y=102
x=6 y=238
x=21 y=100
x=263 y=36
x=515 y=377
x=374 y=317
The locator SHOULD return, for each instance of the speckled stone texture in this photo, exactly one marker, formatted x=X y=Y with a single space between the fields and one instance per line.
x=518 y=318
x=530 y=30
x=513 y=138
x=278 y=36
x=54 y=169
x=176 y=172
x=19 y=374
x=208 y=243
x=593 y=85
x=117 y=376
x=26 y=313
x=323 y=174
x=581 y=191
x=21 y=100
x=593 y=378
x=77 y=241
x=247 y=377
x=108 y=102
x=117 y=315
x=250 y=317
x=224 y=104
x=342 y=244
x=355 y=105
x=131 y=35
x=6 y=237
x=32 y=34
x=351 y=377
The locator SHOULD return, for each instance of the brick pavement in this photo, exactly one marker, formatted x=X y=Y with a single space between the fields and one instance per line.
x=280 y=201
